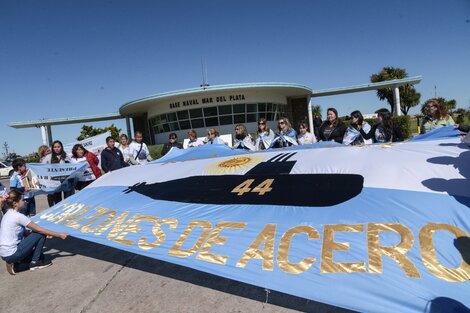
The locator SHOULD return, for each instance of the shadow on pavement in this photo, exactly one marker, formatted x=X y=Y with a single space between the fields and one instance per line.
x=77 y=246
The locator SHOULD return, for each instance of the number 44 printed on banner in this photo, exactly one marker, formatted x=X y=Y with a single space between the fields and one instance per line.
x=261 y=189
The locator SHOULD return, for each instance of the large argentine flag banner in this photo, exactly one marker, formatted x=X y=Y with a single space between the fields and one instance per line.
x=380 y=228
x=52 y=178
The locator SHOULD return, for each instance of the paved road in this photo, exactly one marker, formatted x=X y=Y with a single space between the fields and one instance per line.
x=88 y=277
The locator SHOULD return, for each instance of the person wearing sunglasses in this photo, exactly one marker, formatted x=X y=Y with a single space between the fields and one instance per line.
x=305 y=137
x=172 y=142
x=213 y=137
x=243 y=139
x=265 y=135
x=286 y=136
x=437 y=116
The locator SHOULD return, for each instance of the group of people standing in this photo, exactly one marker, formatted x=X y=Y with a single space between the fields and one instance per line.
x=332 y=129
x=358 y=132
x=125 y=154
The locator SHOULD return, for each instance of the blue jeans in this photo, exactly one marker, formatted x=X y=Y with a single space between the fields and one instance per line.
x=31 y=246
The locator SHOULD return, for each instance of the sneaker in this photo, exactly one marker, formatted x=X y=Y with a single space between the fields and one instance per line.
x=39 y=264
x=11 y=268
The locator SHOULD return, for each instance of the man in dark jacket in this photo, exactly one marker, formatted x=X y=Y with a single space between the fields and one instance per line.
x=111 y=157
x=172 y=143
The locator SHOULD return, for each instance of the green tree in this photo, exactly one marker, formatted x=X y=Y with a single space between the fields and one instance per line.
x=90 y=131
x=316 y=110
x=409 y=97
x=450 y=104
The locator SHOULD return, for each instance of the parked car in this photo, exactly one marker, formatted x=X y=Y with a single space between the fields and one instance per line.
x=5 y=169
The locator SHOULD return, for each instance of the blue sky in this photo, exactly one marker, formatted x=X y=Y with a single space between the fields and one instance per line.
x=74 y=58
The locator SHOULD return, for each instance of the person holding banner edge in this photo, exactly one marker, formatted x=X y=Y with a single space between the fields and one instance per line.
x=14 y=247
x=57 y=156
x=92 y=172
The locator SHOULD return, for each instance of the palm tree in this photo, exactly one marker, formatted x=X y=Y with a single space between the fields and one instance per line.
x=409 y=97
x=316 y=110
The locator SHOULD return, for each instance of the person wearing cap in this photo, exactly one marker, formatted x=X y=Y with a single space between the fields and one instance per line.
x=172 y=142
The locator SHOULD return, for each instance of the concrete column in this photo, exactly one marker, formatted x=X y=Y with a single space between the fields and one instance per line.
x=128 y=126
x=396 y=99
x=49 y=134
x=43 y=135
x=310 y=115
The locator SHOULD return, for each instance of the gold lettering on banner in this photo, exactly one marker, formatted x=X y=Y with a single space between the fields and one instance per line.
x=327 y=264
x=118 y=225
x=283 y=251
x=52 y=212
x=428 y=253
x=396 y=253
x=158 y=232
x=216 y=239
x=68 y=211
x=266 y=254
x=184 y=253
x=102 y=212
x=133 y=227
x=70 y=221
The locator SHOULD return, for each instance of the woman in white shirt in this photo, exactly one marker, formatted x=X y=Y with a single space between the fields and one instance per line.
x=305 y=137
x=193 y=140
x=14 y=248
x=124 y=147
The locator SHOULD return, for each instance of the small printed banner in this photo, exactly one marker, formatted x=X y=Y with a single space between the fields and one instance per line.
x=52 y=178
x=379 y=228
x=94 y=144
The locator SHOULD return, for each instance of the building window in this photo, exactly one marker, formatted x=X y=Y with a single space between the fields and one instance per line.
x=212 y=111
x=225 y=109
x=225 y=120
x=195 y=113
x=183 y=115
x=216 y=115
x=185 y=124
x=197 y=123
x=239 y=108
x=211 y=121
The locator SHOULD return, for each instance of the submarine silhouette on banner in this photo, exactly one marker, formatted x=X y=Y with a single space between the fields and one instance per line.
x=267 y=183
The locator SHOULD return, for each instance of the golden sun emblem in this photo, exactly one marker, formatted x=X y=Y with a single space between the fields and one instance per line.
x=233 y=165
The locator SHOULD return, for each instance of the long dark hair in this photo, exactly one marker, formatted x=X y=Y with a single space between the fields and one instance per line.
x=266 y=128
x=441 y=109
x=57 y=157
x=387 y=122
x=75 y=148
x=360 y=119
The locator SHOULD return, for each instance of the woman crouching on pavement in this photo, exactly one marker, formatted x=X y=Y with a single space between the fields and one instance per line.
x=14 y=247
